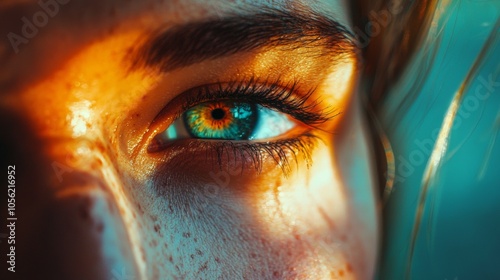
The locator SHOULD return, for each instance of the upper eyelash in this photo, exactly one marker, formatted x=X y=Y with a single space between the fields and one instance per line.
x=272 y=95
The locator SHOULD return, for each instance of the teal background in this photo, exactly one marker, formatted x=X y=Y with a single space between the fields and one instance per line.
x=459 y=234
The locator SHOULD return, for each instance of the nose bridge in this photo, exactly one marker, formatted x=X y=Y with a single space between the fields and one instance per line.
x=87 y=237
x=83 y=166
x=93 y=218
x=69 y=219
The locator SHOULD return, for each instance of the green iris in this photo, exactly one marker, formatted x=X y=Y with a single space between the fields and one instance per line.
x=221 y=120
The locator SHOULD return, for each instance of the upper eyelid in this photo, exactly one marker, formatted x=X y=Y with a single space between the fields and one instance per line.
x=287 y=93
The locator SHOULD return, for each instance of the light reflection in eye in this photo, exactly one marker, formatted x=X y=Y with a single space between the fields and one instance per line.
x=229 y=120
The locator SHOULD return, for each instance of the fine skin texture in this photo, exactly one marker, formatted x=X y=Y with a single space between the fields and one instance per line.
x=81 y=108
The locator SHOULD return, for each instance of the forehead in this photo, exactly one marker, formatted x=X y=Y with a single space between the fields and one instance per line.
x=69 y=25
x=72 y=24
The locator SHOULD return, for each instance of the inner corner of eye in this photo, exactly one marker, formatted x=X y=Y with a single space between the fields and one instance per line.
x=227 y=120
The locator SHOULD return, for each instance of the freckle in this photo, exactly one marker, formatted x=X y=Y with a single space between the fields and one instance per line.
x=341 y=272
x=349 y=267
x=157 y=228
x=297 y=237
x=143 y=254
x=139 y=207
x=170 y=259
x=276 y=274
x=204 y=266
x=253 y=255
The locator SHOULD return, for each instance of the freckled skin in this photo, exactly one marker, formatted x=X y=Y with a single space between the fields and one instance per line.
x=95 y=204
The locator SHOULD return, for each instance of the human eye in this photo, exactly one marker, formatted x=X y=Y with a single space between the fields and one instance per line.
x=228 y=120
x=243 y=120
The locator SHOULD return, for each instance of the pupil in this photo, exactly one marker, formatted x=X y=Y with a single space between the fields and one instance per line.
x=218 y=114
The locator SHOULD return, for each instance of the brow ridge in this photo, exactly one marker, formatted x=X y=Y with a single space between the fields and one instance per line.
x=184 y=45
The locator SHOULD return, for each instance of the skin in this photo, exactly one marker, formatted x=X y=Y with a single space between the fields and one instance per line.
x=95 y=204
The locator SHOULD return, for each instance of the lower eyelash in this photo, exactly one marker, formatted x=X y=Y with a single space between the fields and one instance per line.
x=242 y=153
x=281 y=152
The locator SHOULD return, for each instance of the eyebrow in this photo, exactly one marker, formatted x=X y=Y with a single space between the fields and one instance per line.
x=184 y=45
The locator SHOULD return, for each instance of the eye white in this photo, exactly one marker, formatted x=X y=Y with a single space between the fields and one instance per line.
x=270 y=123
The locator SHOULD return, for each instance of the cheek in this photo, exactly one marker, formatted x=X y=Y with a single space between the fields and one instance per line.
x=214 y=223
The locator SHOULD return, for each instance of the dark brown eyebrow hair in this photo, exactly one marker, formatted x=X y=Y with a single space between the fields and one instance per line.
x=194 y=42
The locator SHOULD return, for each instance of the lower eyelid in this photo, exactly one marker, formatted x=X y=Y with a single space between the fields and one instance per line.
x=245 y=154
